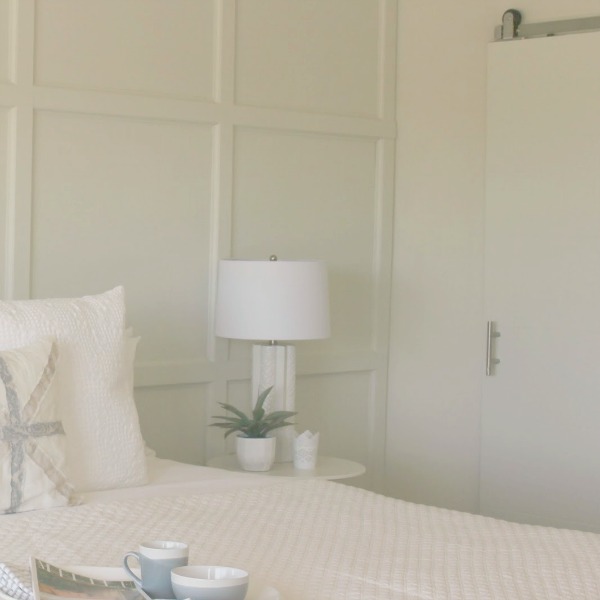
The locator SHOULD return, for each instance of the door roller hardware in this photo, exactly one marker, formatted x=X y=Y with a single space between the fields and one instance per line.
x=513 y=28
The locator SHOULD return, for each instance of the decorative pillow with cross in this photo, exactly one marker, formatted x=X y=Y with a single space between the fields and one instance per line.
x=32 y=439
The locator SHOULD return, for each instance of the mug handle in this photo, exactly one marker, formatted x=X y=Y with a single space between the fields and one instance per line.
x=133 y=576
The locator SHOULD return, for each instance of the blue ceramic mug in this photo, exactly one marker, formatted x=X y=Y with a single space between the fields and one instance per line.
x=156 y=559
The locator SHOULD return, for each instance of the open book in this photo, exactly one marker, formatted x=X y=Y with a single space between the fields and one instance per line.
x=50 y=582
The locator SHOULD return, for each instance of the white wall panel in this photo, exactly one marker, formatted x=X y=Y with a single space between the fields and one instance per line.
x=312 y=196
x=437 y=317
x=163 y=47
x=126 y=201
x=173 y=421
x=314 y=55
x=153 y=137
x=6 y=39
x=337 y=406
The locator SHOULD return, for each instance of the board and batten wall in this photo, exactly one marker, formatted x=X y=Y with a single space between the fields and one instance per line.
x=437 y=342
x=142 y=140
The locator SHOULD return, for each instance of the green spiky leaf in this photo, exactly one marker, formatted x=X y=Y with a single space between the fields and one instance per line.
x=256 y=425
x=235 y=411
x=262 y=397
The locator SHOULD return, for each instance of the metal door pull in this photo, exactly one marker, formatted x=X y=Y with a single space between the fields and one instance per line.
x=490 y=361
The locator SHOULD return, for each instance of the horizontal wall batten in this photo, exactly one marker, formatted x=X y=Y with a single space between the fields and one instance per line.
x=181 y=372
x=313 y=122
x=137 y=106
x=128 y=105
x=236 y=370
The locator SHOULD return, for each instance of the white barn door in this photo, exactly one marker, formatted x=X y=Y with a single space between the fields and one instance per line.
x=540 y=456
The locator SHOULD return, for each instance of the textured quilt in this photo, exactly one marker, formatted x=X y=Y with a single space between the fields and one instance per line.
x=321 y=540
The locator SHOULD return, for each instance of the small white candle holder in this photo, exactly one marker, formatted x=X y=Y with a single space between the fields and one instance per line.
x=306 y=446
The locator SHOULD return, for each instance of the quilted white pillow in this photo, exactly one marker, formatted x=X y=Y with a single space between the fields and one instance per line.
x=32 y=438
x=105 y=447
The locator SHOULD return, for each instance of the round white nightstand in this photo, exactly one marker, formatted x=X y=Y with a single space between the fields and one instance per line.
x=328 y=467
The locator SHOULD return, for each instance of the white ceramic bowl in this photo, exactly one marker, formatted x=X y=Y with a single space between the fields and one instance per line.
x=203 y=582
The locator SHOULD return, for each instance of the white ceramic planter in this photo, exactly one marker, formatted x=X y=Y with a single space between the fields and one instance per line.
x=255 y=454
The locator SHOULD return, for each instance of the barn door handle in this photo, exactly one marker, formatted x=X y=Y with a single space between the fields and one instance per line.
x=490 y=361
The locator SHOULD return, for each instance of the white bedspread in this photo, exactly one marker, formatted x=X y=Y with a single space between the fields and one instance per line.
x=171 y=478
x=317 y=539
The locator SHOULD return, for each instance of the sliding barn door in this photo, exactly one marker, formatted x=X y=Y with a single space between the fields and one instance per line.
x=541 y=406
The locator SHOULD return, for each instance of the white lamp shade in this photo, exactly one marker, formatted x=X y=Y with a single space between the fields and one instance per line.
x=272 y=300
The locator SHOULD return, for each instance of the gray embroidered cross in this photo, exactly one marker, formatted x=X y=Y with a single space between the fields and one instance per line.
x=21 y=433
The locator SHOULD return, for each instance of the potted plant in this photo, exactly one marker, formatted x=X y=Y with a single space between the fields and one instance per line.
x=255 y=450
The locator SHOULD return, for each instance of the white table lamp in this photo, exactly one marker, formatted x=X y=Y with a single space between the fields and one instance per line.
x=273 y=300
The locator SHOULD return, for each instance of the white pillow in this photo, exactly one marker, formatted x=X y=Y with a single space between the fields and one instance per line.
x=105 y=447
x=130 y=346
x=32 y=438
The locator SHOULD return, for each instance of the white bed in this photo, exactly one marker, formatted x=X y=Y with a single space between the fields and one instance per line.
x=171 y=478
x=68 y=423
x=313 y=539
